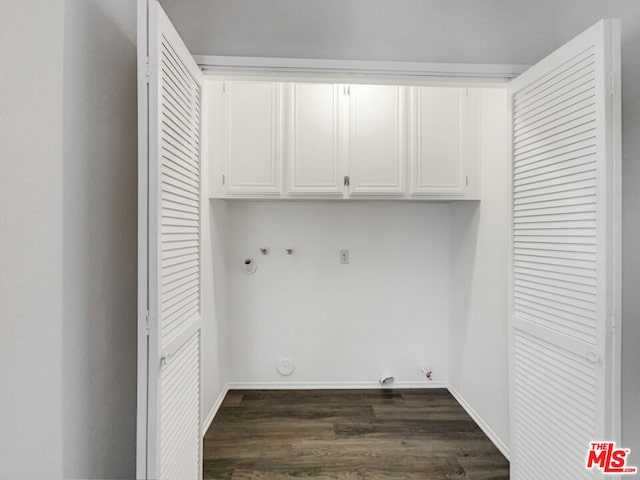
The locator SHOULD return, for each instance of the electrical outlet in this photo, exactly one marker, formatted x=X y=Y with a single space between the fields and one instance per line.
x=344 y=256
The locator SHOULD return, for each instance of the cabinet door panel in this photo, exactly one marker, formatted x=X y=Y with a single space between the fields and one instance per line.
x=437 y=165
x=313 y=146
x=377 y=139
x=252 y=137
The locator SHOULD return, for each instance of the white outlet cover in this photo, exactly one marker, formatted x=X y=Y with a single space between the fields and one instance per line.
x=286 y=366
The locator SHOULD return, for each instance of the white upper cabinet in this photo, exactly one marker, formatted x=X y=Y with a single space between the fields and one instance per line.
x=251 y=137
x=312 y=160
x=442 y=142
x=377 y=139
x=324 y=140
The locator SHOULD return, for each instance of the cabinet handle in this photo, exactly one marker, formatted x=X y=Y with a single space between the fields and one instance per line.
x=347 y=181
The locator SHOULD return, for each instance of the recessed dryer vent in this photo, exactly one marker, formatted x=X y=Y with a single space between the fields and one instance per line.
x=249 y=266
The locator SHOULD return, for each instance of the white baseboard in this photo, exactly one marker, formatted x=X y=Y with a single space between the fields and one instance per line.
x=214 y=410
x=329 y=385
x=497 y=441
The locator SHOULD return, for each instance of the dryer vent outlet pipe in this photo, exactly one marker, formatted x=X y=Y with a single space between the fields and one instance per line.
x=386 y=378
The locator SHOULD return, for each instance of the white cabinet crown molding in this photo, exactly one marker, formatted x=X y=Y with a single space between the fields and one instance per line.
x=316 y=66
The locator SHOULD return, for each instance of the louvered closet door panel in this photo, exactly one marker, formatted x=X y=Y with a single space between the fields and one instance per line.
x=175 y=99
x=180 y=195
x=561 y=291
x=180 y=413
x=562 y=421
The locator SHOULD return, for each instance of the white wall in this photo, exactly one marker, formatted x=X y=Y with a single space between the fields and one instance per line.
x=99 y=224
x=478 y=357
x=388 y=308
x=214 y=285
x=214 y=304
x=31 y=239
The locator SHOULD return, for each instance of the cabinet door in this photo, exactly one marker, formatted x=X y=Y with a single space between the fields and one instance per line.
x=313 y=150
x=377 y=139
x=438 y=133
x=251 y=153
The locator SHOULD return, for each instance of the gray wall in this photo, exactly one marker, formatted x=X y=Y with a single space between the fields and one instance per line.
x=99 y=223
x=31 y=49
x=491 y=31
x=68 y=142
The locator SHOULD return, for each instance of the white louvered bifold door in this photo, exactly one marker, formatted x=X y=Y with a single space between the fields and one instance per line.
x=565 y=204
x=173 y=435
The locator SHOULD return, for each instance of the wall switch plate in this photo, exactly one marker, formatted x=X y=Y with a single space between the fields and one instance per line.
x=344 y=256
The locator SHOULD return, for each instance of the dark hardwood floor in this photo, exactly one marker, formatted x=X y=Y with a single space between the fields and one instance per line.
x=348 y=434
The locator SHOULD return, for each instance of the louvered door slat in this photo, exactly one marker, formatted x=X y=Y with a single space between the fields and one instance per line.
x=564 y=94
x=548 y=83
x=183 y=174
x=569 y=191
x=575 y=108
x=562 y=292
x=572 y=153
x=568 y=262
x=556 y=268
x=582 y=135
x=583 y=96
x=559 y=129
x=179 y=159
x=565 y=170
x=568 y=184
x=561 y=286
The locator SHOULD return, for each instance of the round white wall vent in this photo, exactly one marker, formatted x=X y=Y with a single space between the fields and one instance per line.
x=286 y=366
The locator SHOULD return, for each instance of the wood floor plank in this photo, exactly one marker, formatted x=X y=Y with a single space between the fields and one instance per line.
x=225 y=431
x=302 y=412
x=232 y=399
x=413 y=427
x=348 y=434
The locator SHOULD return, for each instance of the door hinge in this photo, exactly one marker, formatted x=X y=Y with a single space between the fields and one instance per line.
x=223 y=179
x=147 y=70
x=147 y=325
x=347 y=180
x=611 y=328
x=612 y=83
